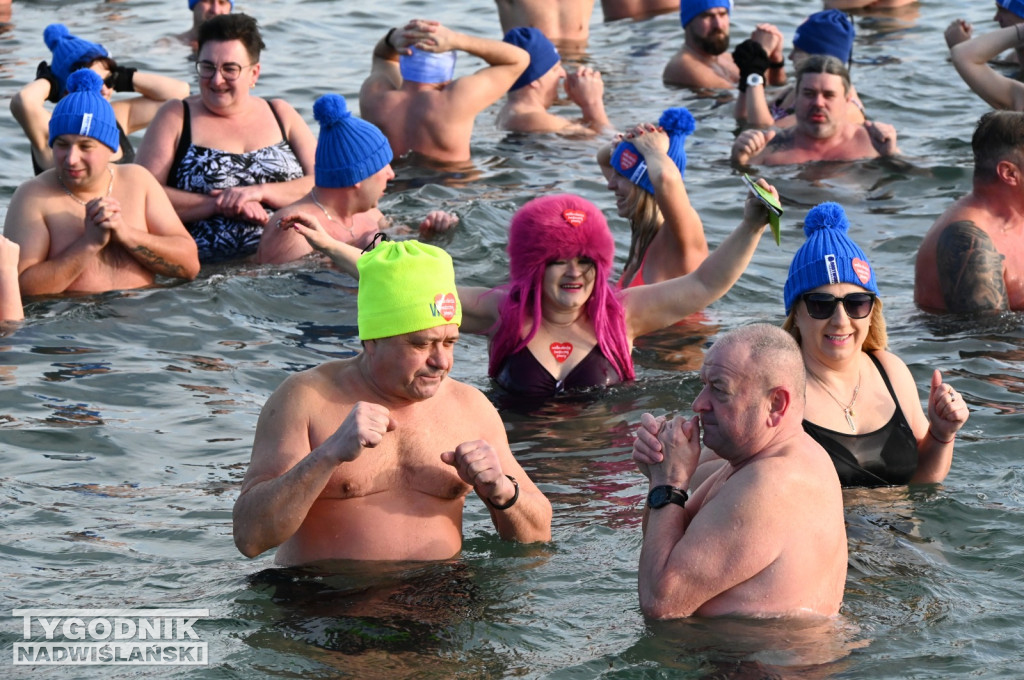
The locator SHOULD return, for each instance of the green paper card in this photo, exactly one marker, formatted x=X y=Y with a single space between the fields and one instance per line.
x=770 y=202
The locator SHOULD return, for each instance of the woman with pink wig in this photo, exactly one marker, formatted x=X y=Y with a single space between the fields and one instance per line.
x=558 y=324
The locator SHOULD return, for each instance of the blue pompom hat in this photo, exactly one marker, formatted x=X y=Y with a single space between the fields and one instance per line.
x=1015 y=6
x=827 y=256
x=688 y=9
x=543 y=54
x=827 y=32
x=85 y=111
x=69 y=51
x=349 y=149
x=628 y=162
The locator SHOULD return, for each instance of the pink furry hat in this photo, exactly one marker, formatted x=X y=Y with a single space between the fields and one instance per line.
x=546 y=229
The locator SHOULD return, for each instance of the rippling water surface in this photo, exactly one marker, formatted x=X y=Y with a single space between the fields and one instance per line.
x=126 y=419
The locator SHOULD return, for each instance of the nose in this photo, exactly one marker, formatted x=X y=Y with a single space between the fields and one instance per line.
x=441 y=357
x=701 y=402
x=390 y=174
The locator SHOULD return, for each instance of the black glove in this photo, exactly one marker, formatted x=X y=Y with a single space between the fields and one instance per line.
x=750 y=57
x=43 y=72
x=123 y=76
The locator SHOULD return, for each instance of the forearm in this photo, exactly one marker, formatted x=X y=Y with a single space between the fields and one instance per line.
x=10 y=297
x=54 y=276
x=494 y=52
x=270 y=512
x=277 y=195
x=527 y=521
x=983 y=48
x=344 y=257
x=727 y=262
x=776 y=75
x=191 y=207
x=664 y=528
x=164 y=255
x=594 y=116
x=679 y=215
x=384 y=50
x=755 y=108
x=159 y=88
x=934 y=457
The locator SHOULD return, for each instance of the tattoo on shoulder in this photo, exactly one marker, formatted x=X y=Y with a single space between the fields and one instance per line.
x=970 y=269
x=783 y=140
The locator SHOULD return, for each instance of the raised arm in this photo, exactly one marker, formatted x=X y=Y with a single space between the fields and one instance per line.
x=971 y=59
x=585 y=88
x=385 y=74
x=153 y=90
x=475 y=92
x=34 y=119
x=655 y=306
x=679 y=246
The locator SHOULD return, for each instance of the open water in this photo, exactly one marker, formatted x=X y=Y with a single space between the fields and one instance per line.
x=126 y=419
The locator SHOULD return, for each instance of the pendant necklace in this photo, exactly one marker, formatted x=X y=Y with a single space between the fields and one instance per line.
x=110 y=187
x=847 y=409
x=312 y=195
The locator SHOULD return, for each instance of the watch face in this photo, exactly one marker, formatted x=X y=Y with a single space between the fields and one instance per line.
x=659 y=496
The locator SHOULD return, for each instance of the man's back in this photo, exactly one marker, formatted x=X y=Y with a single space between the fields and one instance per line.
x=971 y=260
x=425 y=120
x=792 y=521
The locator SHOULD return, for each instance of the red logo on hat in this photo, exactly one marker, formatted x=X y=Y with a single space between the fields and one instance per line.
x=628 y=159
x=445 y=304
x=862 y=269
x=574 y=217
x=561 y=351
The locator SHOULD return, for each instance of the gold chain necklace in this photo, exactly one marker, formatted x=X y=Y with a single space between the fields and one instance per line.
x=110 y=187
x=848 y=408
x=312 y=195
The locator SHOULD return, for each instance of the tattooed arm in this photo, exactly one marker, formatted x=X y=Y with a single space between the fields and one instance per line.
x=970 y=269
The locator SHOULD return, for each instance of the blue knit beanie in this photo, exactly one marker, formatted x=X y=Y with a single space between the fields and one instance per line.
x=69 y=51
x=1015 y=6
x=828 y=256
x=349 y=149
x=192 y=4
x=427 y=67
x=827 y=32
x=543 y=55
x=688 y=9
x=84 y=111
x=628 y=162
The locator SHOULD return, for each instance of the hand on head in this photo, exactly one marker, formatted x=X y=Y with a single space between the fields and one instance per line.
x=648 y=138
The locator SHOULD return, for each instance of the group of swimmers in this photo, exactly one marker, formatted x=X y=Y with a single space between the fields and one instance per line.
x=225 y=174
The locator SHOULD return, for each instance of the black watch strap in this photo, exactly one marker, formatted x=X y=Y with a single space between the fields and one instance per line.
x=660 y=496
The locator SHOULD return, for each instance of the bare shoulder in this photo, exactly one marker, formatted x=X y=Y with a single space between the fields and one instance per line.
x=306 y=389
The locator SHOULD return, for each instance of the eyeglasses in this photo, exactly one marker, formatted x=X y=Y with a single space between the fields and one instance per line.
x=230 y=71
x=823 y=305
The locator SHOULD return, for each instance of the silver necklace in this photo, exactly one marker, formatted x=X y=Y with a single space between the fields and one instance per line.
x=110 y=187
x=312 y=195
x=848 y=408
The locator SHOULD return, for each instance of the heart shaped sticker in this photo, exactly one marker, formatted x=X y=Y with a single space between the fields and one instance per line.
x=445 y=305
x=561 y=351
x=574 y=217
x=862 y=269
x=628 y=159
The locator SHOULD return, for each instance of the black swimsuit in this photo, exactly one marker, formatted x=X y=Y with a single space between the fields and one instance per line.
x=522 y=375
x=887 y=456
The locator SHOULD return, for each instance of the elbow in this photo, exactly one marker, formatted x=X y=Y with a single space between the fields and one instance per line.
x=246 y=545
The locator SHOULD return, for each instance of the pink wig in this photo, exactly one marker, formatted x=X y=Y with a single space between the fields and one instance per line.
x=547 y=229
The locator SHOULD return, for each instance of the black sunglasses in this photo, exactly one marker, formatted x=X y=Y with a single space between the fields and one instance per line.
x=823 y=305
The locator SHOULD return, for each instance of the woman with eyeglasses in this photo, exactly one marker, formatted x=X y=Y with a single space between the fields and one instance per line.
x=227 y=157
x=862 y=403
x=71 y=53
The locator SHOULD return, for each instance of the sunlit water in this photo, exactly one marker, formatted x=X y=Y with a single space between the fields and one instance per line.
x=127 y=419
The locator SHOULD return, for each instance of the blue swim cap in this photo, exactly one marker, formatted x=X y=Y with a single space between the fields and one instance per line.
x=1015 y=6
x=827 y=32
x=689 y=9
x=427 y=67
x=543 y=55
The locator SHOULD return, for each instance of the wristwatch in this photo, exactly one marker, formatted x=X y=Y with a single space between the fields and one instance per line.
x=755 y=79
x=660 y=496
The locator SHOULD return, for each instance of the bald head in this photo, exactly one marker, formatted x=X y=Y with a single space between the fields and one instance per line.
x=772 y=355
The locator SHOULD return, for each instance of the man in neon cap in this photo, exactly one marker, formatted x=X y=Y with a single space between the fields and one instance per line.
x=201 y=11
x=371 y=458
x=88 y=225
x=529 y=98
x=412 y=94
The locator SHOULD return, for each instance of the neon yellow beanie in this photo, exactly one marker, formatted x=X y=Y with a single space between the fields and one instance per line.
x=404 y=287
